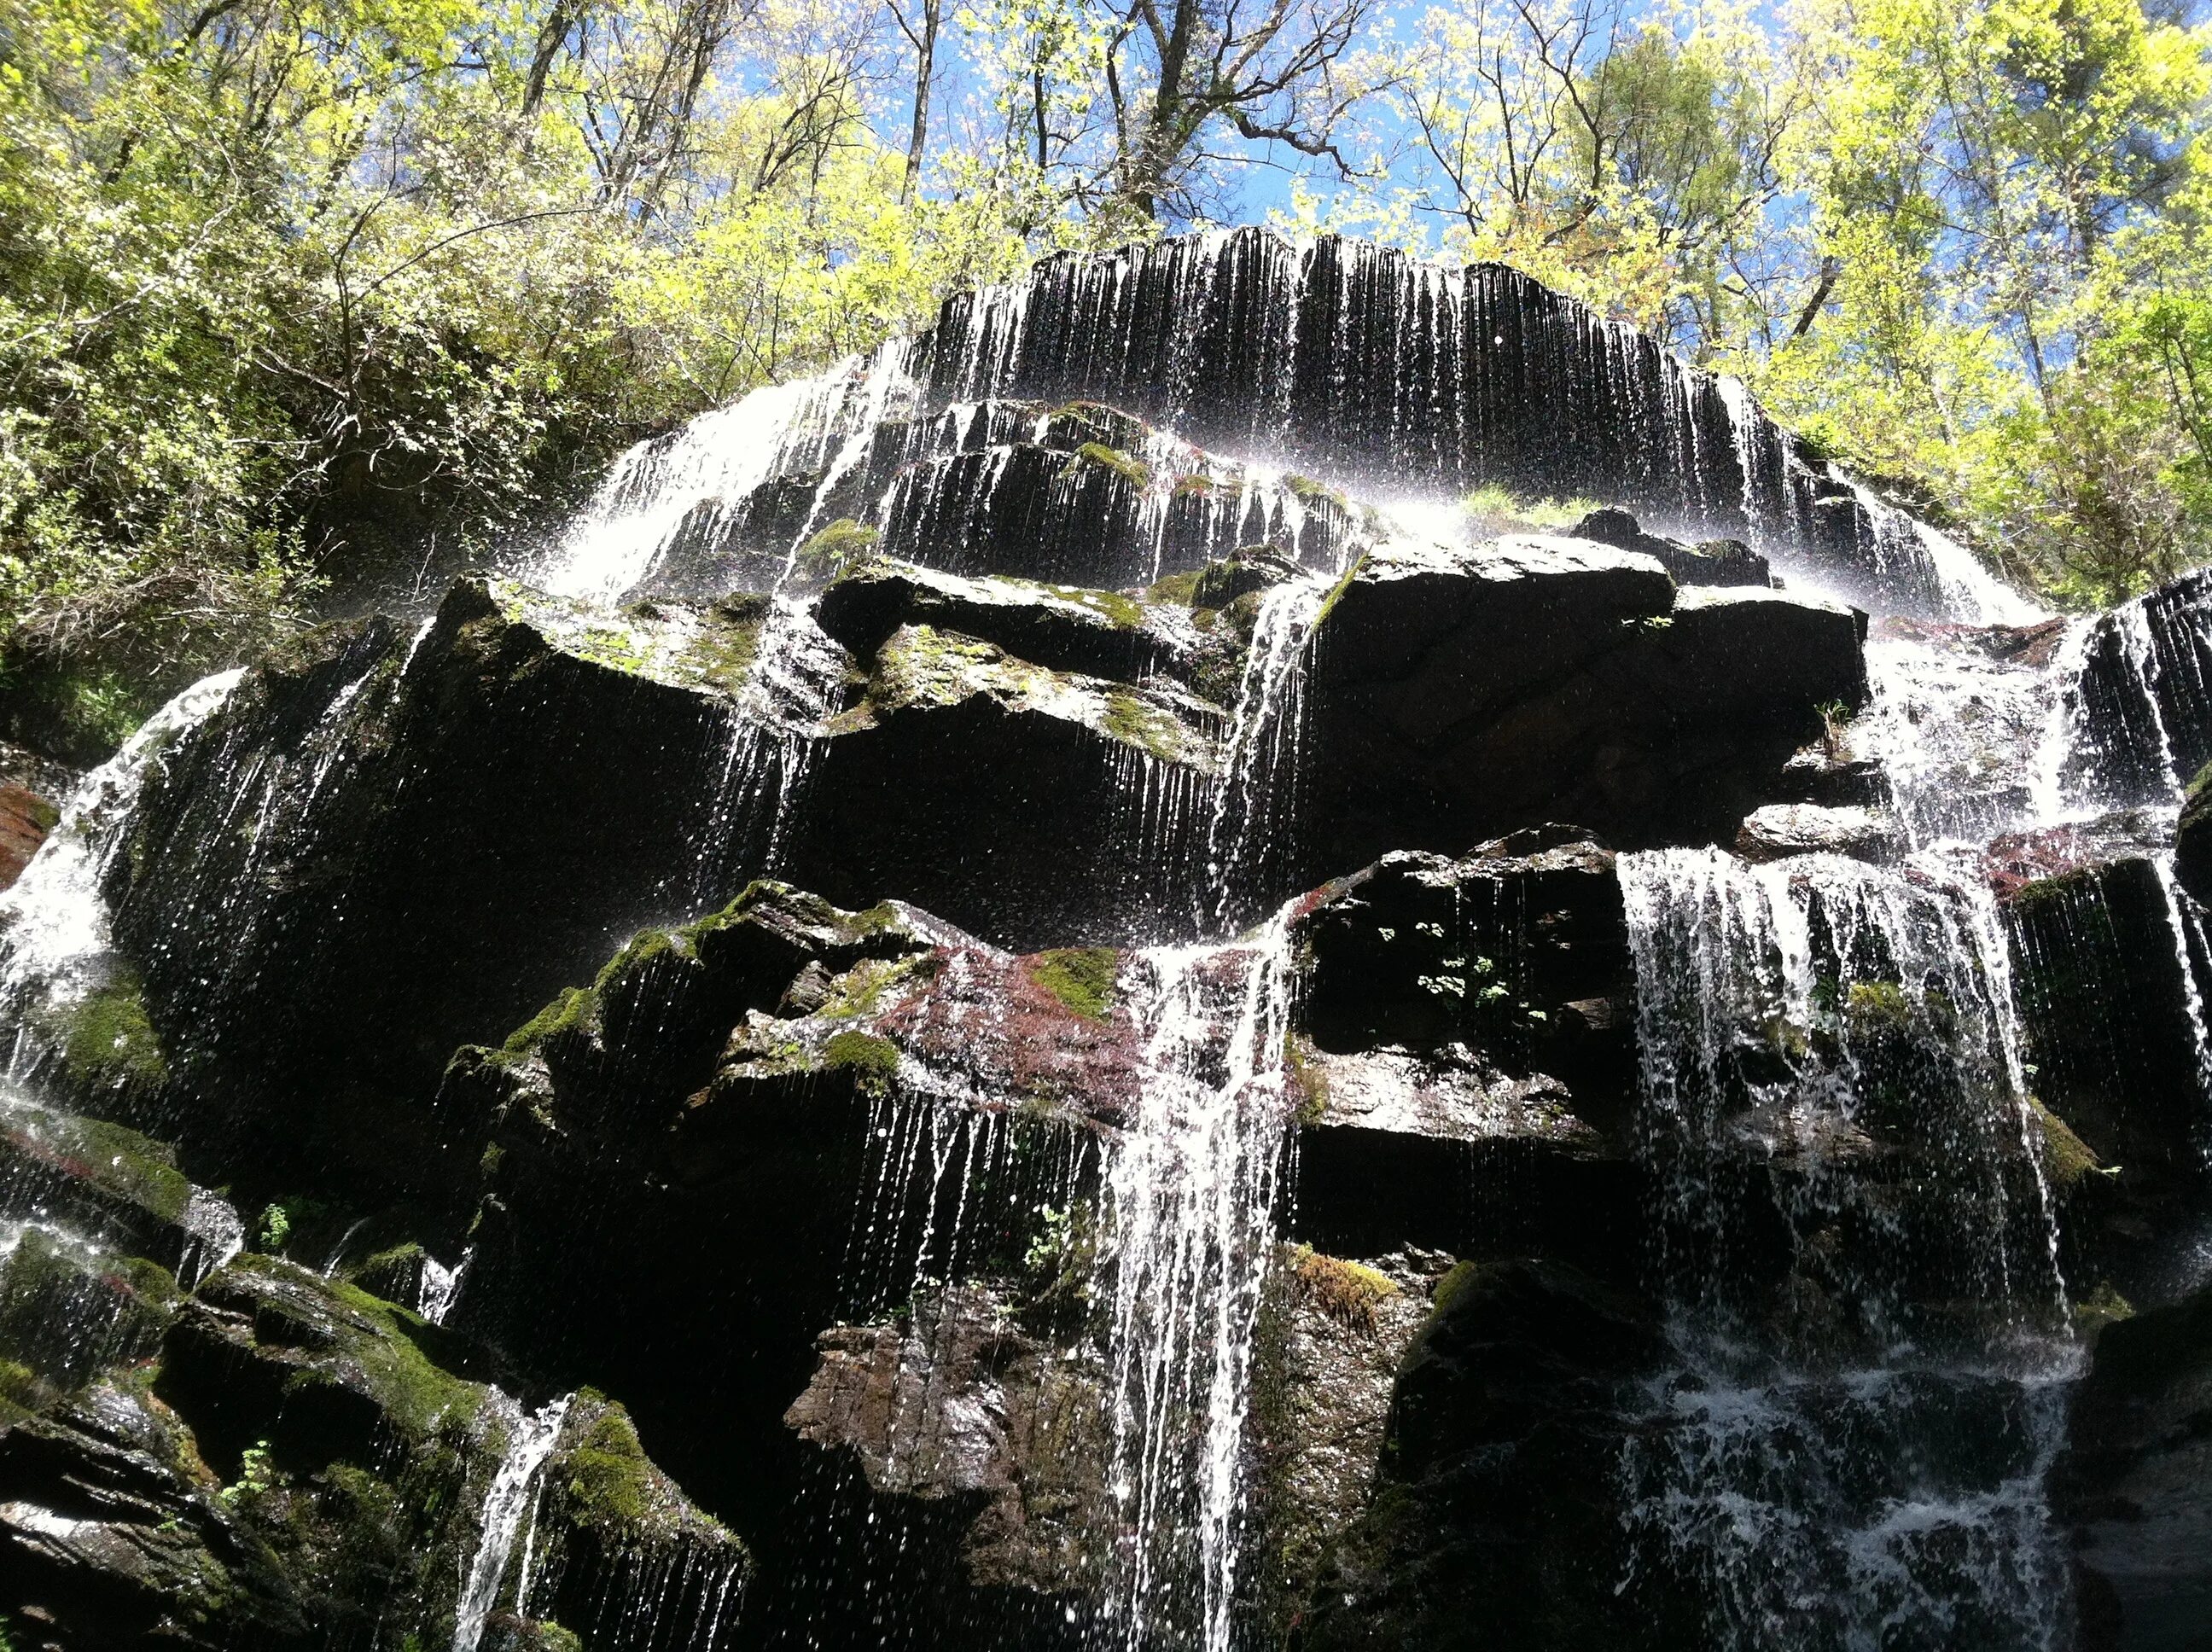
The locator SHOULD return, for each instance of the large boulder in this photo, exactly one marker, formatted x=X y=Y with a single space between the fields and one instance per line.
x=1466 y=1063
x=1459 y=694
x=1008 y=796
x=377 y=849
x=1061 y=627
x=1709 y=562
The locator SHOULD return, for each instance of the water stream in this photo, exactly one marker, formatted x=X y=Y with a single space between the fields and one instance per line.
x=1192 y=1187
x=511 y=1496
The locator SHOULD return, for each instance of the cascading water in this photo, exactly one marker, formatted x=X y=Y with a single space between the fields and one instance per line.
x=1191 y=1193
x=510 y=1498
x=1852 y=1452
x=1255 y=800
x=54 y=922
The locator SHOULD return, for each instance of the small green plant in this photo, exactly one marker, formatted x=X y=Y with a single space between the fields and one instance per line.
x=1835 y=726
x=1494 y=507
x=275 y=1227
x=256 y=1474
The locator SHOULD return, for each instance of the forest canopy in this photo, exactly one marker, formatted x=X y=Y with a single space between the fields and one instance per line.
x=302 y=298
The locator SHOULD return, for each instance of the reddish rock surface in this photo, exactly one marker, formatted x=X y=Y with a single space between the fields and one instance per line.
x=25 y=819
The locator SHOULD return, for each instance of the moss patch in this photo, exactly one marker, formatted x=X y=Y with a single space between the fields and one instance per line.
x=571 y=1010
x=1454 y=1285
x=1081 y=977
x=1130 y=469
x=1309 y=1079
x=1878 y=1004
x=106 y=1040
x=2066 y=1157
x=1348 y=1293
x=837 y=548
x=118 y=1161
x=876 y=1059
x=1181 y=589
x=609 y=1478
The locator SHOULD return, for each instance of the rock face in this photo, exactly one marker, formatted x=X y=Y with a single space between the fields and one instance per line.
x=2132 y=1484
x=975 y=1027
x=1498 y=1515
x=25 y=819
x=1458 y=696
x=2111 y=1030
x=1714 y=561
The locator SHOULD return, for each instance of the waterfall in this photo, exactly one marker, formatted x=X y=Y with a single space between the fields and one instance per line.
x=217 y=1234
x=54 y=921
x=717 y=462
x=511 y=1496
x=438 y=1286
x=1255 y=800
x=1963 y=738
x=1849 y=1455
x=2184 y=921
x=1191 y=1187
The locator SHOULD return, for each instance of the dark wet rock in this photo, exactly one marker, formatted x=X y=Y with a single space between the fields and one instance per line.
x=958 y=1405
x=2033 y=646
x=2130 y=1484
x=315 y=1370
x=620 y=1555
x=36 y=772
x=2108 y=1029
x=2142 y=688
x=113 y=1186
x=112 y=1537
x=1710 y=561
x=1219 y=584
x=1497 y=1518
x=724 y=545
x=1471 y=1068
x=1489 y=951
x=1357 y=363
x=414 y=845
x=1332 y=1334
x=2012 y=860
x=999 y=793
x=614 y=1059
x=2192 y=842
x=1060 y=628
x=1458 y=694
x=70 y=1312
x=821 y=1049
x=1781 y=829
x=1822 y=775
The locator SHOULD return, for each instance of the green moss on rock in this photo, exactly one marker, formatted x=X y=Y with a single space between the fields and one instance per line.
x=1081 y=977
x=1346 y=1291
x=1130 y=469
x=107 y=1040
x=609 y=1480
x=114 y=1160
x=2066 y=1157
x=837 y=548
x=876 y=1059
